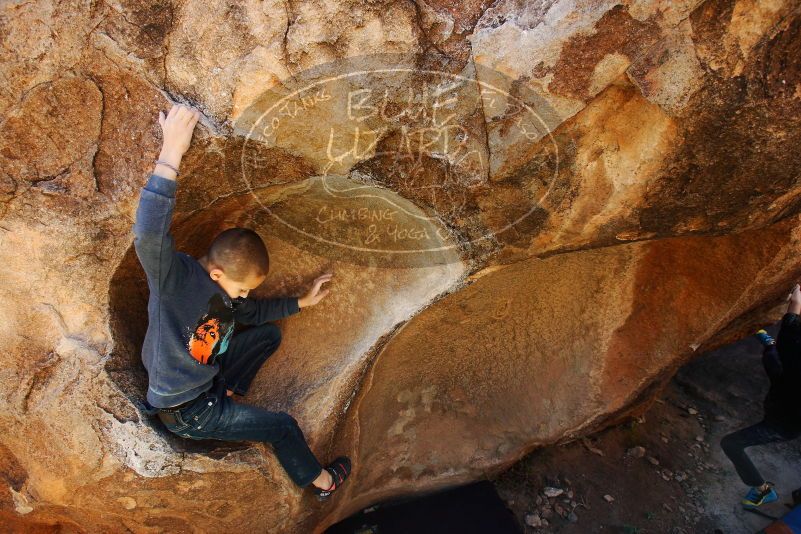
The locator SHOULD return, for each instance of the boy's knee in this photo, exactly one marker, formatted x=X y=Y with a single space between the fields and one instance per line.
x=290 y=424
x=287 y=420
x=728 y=443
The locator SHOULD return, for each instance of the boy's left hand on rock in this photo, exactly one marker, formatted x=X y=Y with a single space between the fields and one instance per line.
x=315 y=295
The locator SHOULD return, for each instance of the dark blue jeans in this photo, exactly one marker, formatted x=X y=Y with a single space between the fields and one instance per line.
x=214 y=415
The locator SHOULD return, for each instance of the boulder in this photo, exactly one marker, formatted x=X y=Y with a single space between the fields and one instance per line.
x=535 y=213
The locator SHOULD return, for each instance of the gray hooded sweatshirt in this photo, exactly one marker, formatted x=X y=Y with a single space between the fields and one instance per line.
x=190 y=317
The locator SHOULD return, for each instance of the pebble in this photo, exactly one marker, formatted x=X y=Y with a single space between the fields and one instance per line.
x=533 y=520
x=553 y=492
x=636 y=452
x=719 y=418
x=573 y=518
x=692 y=411
x=609 y=498
x=653 y=461
x=699 y=439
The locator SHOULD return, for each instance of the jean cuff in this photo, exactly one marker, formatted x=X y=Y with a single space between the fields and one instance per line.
x=161 y=185
x=307 y=483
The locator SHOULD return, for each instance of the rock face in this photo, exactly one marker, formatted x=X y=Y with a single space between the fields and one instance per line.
x=535 y=212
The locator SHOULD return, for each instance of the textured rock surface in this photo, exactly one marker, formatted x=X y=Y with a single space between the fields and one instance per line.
x=568 y=199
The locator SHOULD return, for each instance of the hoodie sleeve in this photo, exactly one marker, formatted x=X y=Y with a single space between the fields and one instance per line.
x=788 y=342
x=153 y=242
x=258 y=311
x=772 y=363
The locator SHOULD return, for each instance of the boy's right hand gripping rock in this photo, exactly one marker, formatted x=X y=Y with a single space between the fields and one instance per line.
x=177 y=128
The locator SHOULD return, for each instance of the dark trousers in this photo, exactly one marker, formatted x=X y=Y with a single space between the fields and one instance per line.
x=246 y=353
x=769 y=430
x=214 y=415
x=776 y=425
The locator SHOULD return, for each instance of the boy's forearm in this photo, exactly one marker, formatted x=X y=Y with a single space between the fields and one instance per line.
x=260 y=311
x=156 y=202
x=276 y=308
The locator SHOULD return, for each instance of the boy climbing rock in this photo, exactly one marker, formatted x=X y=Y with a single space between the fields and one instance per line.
x=782 y=420
x=194 y=361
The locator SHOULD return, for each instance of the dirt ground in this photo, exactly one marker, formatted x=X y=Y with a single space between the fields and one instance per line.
x=663 y=473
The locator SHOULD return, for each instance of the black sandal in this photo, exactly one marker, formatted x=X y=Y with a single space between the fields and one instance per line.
x=339 y=469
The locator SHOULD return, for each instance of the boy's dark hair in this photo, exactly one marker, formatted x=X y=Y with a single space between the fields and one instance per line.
x=239 y=252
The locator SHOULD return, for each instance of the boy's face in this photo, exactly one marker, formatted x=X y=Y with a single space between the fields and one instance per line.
x=236 y=288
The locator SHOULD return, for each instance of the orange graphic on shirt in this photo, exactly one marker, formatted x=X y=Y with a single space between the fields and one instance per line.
x=203 y=340
x=209 y=337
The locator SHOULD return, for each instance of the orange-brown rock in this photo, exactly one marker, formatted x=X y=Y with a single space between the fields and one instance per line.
x=535 y=212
